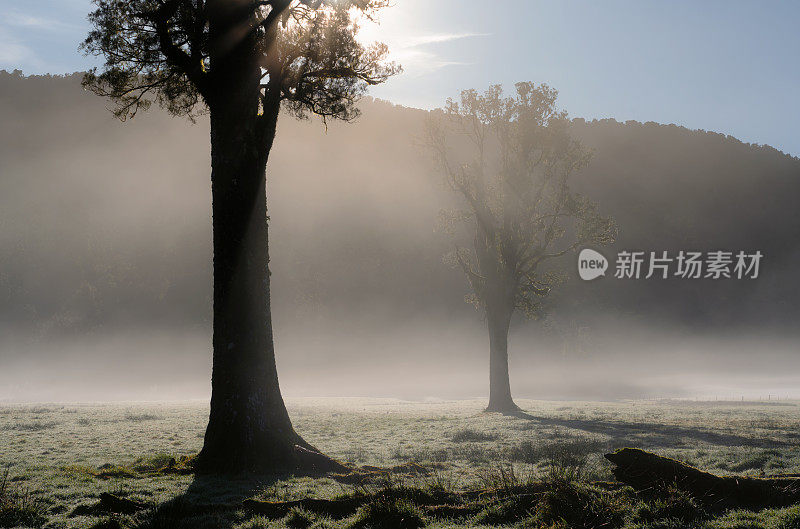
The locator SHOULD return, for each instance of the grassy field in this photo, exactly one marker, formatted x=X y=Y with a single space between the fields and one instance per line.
x=543 y=469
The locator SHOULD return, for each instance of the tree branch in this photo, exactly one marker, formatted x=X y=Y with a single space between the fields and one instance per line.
x=172 y=52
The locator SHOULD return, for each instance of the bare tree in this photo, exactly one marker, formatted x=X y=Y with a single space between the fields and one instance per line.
x=241 y=60
x=510 y=160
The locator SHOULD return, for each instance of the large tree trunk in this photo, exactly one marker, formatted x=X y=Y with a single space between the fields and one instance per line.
x=248 y=428
x=498 y=293
x=499 y=320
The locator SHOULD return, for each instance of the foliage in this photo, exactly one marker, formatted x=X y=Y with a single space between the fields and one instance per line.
x=511 y=160
x=167 y=51
x=243 y=59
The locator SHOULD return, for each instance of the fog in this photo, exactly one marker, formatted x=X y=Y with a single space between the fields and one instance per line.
x=414 y=360
x=105 y=263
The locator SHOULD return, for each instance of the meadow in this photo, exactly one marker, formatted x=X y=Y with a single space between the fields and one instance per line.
x=455 y=466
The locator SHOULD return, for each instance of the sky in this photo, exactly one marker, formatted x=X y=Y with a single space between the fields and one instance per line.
x=723 y=65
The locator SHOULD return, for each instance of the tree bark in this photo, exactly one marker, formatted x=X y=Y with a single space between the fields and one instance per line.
x=499 y=320
x=498 y=295
x=249 y=427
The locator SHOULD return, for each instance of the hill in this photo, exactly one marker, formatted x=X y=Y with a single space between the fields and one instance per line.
x=106 y=226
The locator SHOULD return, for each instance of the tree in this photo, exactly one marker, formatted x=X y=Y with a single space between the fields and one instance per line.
x=241 y=61
x=510 y=160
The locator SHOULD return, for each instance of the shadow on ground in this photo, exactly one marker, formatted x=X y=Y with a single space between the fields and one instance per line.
x=209 y=501
x=651 y=434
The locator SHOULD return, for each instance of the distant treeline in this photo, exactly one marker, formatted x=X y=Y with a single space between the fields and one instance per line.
x=108 y=224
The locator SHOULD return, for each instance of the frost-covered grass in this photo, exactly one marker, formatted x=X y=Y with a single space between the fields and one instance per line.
x=59 y=457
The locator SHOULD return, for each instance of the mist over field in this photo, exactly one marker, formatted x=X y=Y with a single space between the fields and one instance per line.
x=252 y=278
x=105 y=262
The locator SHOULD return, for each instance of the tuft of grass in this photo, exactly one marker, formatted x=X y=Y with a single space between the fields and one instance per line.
x=180 y=513
x=756 y=461
x=563 y=449
x=153 y=463
x=440 y=481
x=356 y=455
x=299 y=519
x=475 y=455
x=506 y=509
x=432 y=455
x=34 y=426
x=388 y=513
x=113 y=471
x=111 y=522
x=159 y=464
x=140 y=417
x=503 y=477
x=785 y=518
x=562 y=460
x=578 y=505
x=675 y=505
x=103 y=472
x=468 y=435
x=18 y=507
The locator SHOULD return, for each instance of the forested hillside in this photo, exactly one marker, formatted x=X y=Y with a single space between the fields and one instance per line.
x=89 y=240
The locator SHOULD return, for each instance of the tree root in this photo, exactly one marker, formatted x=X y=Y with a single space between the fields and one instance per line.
x=182 y=466
x=506 y=408
x=369 y=474
x=648 y=472
x=304 y=460
x=308 y=460
x=294 y=456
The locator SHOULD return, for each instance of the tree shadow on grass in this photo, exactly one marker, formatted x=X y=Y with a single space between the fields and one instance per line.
x=210 y=501
x=623 y=433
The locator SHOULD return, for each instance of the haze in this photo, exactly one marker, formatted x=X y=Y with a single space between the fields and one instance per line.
x=106 y=263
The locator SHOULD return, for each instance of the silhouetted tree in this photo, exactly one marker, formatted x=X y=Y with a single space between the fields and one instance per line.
x=510 y=159
x=241 y=60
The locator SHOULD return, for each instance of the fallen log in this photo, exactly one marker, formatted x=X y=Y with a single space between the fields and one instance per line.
x=645 y=471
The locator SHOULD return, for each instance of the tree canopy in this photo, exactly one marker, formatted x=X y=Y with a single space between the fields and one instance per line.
x=510 y=159
x=242 y=60
x=165 y=51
